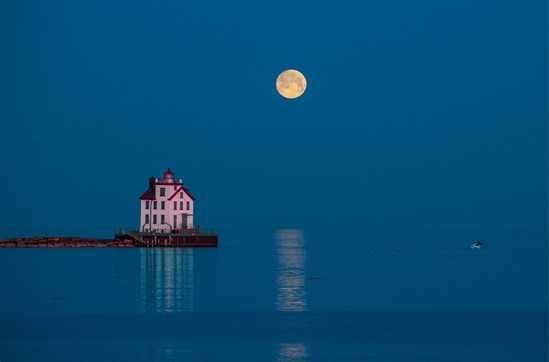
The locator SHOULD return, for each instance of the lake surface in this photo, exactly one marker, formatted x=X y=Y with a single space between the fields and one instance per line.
x=285 y=295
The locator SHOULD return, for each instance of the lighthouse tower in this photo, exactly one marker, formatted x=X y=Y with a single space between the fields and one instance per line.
x=166 y=206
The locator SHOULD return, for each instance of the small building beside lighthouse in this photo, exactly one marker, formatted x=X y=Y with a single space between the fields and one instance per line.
x=166 y=206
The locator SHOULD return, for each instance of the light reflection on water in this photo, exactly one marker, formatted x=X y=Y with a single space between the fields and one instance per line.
x=292 y=352
x=290 y=280
x=167 y=283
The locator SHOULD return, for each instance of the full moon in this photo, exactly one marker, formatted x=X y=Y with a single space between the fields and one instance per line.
x=291 y=84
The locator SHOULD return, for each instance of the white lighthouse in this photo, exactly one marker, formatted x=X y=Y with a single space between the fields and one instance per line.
x=166 y=206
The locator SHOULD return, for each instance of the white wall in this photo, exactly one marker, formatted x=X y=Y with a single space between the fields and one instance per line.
x=169 y=211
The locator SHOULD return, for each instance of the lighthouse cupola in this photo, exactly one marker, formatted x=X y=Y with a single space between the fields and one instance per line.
x=168 y=177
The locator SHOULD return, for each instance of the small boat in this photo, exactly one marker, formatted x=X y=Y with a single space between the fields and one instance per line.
x=477 y=245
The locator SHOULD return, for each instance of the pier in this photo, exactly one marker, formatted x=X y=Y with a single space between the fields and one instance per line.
x=65 y=242
x=123 y=238
x=176 y=238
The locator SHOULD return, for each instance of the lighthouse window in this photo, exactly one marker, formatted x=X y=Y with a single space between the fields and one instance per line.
x=180 y=195
x=180 y=205
x=175 y=205
x=162 y=220
x=147 y=220
x=188 y=205
x=162 y=205
x=162 y=191
x=154 y=219
x=175 y=221
x=154 y=205
x=147 y=204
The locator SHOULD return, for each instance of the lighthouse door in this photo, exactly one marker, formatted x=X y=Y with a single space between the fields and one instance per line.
x=184 y=221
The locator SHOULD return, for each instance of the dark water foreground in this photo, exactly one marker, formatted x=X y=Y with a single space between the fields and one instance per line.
x=285 y=296
x=360 y=336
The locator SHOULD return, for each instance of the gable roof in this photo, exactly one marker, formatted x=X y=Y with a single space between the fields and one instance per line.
x=148 y=195
x=179 y=190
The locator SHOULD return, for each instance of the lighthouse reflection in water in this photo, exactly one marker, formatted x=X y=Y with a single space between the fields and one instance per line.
x=167 y=283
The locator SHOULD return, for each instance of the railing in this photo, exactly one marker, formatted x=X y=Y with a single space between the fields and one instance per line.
x=189 y=231
x=125 y=231
x=207 y=231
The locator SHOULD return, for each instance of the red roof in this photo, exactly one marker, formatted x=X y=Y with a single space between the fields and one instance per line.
x=148 y=195
x=179 y=190
x=168 y=175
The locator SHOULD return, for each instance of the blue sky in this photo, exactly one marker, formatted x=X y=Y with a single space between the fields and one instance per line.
x=418 y=115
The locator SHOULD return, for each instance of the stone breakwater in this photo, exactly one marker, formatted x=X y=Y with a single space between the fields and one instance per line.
x=65 y=242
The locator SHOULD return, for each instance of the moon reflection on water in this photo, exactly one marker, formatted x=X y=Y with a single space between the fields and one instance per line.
x=290 y=281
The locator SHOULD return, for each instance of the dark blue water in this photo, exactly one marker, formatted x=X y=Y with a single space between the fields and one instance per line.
x=288 y=295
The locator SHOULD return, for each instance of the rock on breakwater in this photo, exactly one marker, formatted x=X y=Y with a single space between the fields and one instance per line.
x=65 y=242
